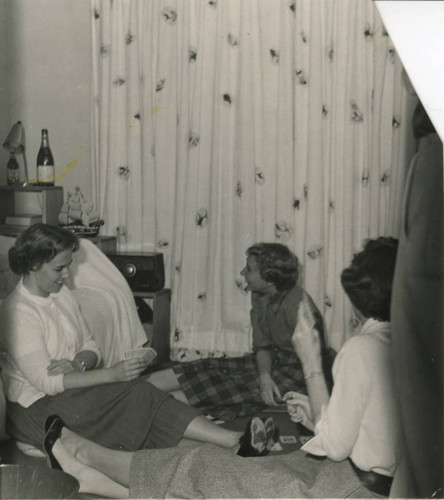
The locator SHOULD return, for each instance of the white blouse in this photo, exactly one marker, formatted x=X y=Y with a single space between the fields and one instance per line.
x=35 y=330
x=362 y=419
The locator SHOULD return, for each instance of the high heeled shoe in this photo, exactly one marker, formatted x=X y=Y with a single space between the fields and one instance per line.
x=253 y=442
x=53 y=427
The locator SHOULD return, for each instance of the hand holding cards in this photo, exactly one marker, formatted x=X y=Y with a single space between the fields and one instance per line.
x=146 y=353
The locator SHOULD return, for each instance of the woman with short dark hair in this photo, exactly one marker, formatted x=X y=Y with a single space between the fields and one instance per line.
x=40 y=244
x=368 y=279
x=51 y=364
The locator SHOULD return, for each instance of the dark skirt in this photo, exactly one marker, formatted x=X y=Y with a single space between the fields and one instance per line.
x=122 y=415
x=229 y=387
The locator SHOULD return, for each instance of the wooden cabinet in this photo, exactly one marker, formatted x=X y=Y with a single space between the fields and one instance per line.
x=17 y=200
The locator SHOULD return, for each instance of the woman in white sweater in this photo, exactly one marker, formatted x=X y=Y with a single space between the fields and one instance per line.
x=51 y=364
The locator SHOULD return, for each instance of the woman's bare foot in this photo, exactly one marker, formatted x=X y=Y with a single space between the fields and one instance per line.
x=90 y=480
x=73 y=444
x=114 y=464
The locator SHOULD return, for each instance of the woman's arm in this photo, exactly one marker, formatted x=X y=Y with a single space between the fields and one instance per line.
x=341 y=419
x=261 y=346
x=25 y=342
x=268 y=388
x=307 y=343
x=317 y=390
x=84 y=360
x=34 y=370
x=77 y=373
x=126 y=370
x=88 y=355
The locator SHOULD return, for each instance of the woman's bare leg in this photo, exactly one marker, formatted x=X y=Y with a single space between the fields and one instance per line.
x=165 y=380
x=113 y=463
x=180 y=396
x=202 y=429
x=90 y=480
x=116 y=464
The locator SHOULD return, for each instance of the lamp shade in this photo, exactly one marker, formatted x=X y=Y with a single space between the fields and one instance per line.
x=16 y=138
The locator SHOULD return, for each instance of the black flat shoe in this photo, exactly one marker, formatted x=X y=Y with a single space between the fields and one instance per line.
x=49 y=421
x=253 y=443
x=53 y=426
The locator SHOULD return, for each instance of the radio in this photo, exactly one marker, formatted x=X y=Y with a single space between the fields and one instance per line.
x=144 y=272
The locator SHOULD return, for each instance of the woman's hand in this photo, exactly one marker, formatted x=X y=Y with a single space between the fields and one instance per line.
x=299 y=409
x=129 y=369
x=60 y=366
x=268 y=390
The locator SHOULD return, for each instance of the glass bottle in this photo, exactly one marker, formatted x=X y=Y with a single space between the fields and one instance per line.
x=45 y=162
x=12 y=169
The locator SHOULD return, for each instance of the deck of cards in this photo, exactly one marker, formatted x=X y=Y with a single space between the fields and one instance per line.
x=147 y=353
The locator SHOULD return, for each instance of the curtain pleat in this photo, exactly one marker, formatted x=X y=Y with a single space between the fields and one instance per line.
x=218 y=124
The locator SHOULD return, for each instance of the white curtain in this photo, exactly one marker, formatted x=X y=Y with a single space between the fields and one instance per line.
x=221 y=123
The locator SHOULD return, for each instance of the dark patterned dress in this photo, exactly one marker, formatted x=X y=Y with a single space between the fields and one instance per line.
x=229 y=387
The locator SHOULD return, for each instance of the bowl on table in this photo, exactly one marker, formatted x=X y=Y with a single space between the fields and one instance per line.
x=35 y=481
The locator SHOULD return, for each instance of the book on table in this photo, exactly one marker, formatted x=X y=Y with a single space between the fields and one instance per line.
x=23 y=219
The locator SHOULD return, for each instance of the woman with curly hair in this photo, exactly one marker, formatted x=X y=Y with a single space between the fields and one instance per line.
x=227 y=387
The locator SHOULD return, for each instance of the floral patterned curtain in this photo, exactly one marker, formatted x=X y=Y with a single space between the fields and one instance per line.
x=221 y=123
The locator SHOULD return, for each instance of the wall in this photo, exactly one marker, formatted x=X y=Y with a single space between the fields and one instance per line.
x=6 y=78
x=45 y=81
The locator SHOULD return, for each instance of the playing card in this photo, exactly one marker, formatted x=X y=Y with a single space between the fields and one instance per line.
x=288 y=439
x=147 y=353
x=275 y=447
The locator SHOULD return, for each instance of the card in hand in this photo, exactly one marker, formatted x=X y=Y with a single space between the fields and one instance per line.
x=147 y=353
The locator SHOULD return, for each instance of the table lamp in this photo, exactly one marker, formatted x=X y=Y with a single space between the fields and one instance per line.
x=16 y=142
